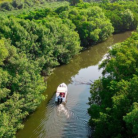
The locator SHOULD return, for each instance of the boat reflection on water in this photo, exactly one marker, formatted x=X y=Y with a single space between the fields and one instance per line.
x=61 y=109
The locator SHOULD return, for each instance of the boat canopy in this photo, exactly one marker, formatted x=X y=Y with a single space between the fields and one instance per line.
x=61 y=89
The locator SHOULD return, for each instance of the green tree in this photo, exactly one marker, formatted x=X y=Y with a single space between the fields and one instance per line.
x=21 y=88
x=3 y=52
x=91 y=24
x=74 y=2
x=114 y=98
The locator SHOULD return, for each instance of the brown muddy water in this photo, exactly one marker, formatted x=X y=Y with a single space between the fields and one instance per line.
x=69 y=120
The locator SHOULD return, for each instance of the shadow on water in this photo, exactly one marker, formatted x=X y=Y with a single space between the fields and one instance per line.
x=69 y=120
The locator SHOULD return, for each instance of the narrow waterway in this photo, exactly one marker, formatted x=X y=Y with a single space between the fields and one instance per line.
x=69 y=120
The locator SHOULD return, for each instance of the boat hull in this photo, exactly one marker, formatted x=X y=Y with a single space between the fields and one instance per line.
x=61 y=93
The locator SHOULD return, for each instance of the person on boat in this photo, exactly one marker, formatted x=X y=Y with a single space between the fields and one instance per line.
x=61 y=94
x=60 y=98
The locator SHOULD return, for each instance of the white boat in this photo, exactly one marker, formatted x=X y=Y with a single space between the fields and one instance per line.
x=61 y=93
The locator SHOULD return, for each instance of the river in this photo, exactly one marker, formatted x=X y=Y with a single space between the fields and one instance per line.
x=69 y=120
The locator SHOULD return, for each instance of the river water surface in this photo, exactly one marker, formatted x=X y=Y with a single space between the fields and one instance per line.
x=69 y=120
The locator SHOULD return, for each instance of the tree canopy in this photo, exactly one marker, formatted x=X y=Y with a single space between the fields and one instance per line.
x=20 y=88
x=114 y=97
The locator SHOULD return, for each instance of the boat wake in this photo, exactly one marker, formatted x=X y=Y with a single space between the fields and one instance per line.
x=61 y=109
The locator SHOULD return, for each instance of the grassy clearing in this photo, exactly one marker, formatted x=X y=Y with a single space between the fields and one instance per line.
x=1 y=1
x=51 y=5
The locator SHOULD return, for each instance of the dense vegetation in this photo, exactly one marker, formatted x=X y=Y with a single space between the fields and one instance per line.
x=114 y=97
x=20 y=88
x=91 y=24
x=21 y=4
x=123 y=15
x=34 y=41
x=46 y=39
